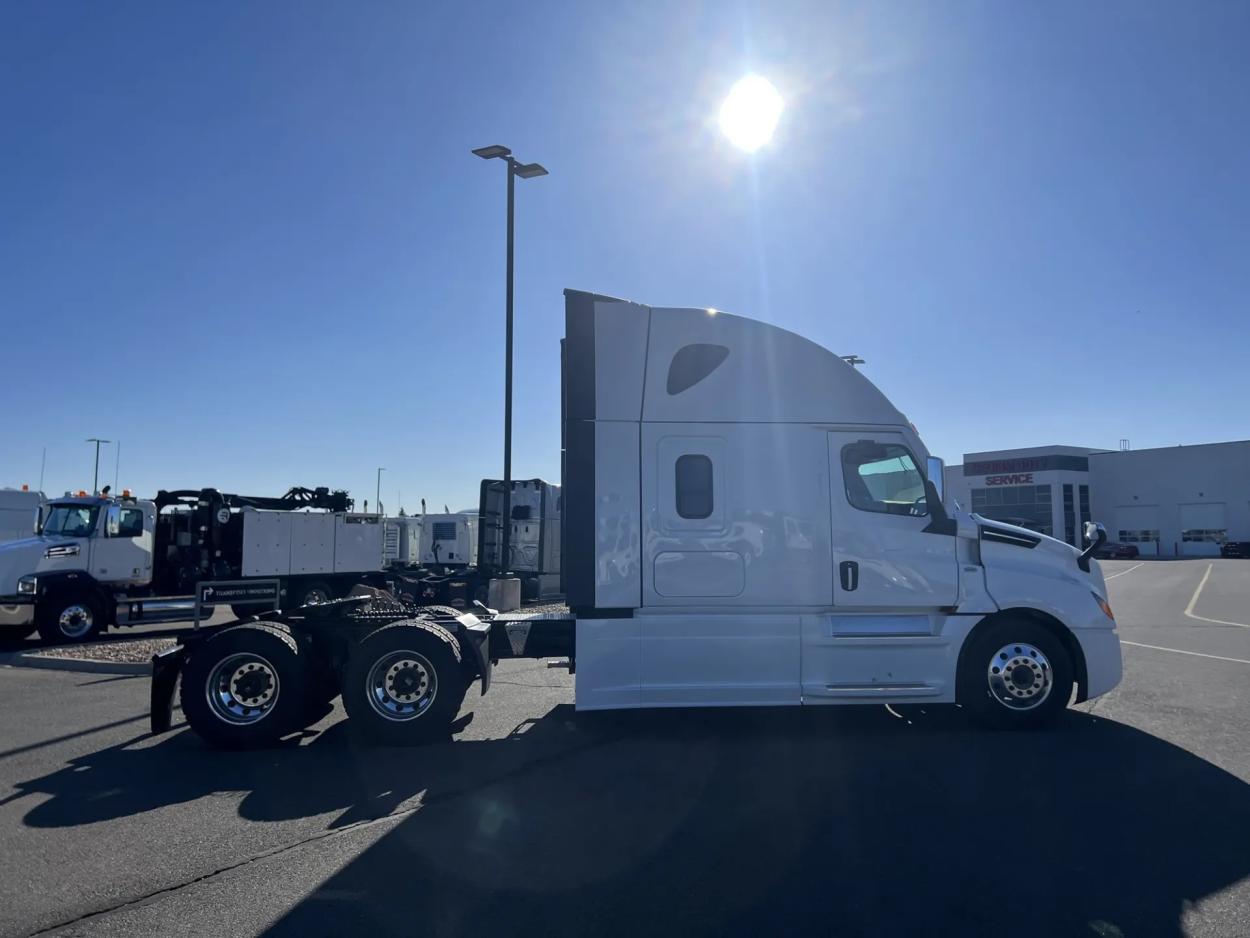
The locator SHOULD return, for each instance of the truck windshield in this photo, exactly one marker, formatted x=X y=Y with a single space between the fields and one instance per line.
x=71 y=520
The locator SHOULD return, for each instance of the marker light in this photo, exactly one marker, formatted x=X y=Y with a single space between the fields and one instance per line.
x=125 y=493
x=25 y=487
x=82 y=493
x=1104 y=606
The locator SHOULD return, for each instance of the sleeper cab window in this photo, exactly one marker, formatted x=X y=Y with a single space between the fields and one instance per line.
x=692 y=364
x=883 y=477
x=694 y=486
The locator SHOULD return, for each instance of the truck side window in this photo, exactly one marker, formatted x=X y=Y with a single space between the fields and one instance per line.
x=694 y=486
x=131 y=524
x=883 y=477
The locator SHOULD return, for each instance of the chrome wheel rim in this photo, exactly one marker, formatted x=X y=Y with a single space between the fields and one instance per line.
x=1020 y=676
x=401 y=685
x=75 y=621
x=242 y=688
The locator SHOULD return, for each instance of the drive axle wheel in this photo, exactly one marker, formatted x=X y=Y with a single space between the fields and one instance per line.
x=245 y=686
x=1016 y=673
x=404 y=683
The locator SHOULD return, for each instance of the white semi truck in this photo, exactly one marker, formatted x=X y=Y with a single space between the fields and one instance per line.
x=104 y=560
x=747 y=521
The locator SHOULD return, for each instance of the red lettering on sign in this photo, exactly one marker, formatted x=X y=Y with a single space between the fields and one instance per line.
x=1018 y=478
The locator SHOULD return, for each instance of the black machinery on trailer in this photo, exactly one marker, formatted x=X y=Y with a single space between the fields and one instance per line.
x=402 y=669
x=202 y=538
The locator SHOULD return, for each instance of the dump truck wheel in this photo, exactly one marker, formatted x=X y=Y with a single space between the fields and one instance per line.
x=70 y=618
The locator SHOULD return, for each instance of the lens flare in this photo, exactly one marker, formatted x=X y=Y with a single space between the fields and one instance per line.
x=750 y=112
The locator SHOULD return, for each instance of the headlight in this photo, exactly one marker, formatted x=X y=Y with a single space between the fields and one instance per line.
x=26 y=586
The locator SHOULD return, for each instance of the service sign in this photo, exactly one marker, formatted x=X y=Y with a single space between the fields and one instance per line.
x=1014 y=478
x=266 y=592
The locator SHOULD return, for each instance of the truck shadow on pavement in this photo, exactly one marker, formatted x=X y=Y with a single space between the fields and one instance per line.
x=848 y=821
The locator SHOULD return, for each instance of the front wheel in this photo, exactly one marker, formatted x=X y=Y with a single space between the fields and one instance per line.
x=245 y=686
x=1016 y=674
x=404 y=684
x=70 y=619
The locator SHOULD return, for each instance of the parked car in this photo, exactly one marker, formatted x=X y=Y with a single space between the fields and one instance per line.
x=1115 y=551
x=1235 y=549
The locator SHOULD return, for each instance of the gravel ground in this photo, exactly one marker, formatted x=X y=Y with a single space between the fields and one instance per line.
x=132 y=650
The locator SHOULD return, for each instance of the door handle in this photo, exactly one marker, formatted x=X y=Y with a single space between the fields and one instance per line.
x=848 y=571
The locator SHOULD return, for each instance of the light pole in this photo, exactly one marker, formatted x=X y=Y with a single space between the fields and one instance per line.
x=95 y=482
x=525 y=171
x=377 y=496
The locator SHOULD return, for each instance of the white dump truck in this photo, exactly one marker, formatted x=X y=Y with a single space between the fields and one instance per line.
x=104 y=560
x=747 y=521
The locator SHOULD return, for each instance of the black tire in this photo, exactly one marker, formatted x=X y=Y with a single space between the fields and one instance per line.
x=427 y=658
x=1032 y=665
x=70 y=618
x=221 y=717
x=307 y=592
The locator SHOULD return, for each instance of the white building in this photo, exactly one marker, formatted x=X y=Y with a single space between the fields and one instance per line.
x=1172 y=501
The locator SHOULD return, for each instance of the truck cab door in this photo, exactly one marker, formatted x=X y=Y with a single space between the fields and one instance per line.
x=121 y=554
x=889 y=555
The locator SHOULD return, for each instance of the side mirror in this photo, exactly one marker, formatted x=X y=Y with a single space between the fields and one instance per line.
x=936 y=470
x=113 y=521
x=1096 y=534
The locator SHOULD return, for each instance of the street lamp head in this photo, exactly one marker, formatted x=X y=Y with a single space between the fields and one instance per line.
x=529 y=170
x=492 y=153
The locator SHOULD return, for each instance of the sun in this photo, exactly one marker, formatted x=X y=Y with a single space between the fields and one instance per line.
x=750 y=112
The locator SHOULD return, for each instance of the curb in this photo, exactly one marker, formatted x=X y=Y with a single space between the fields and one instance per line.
x=22 y=659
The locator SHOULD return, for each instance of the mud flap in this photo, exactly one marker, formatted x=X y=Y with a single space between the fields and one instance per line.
x=475 y=636
x=166 y=666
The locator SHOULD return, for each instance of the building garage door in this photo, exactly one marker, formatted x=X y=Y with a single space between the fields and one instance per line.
x=1203 y=529
x=1137 y=525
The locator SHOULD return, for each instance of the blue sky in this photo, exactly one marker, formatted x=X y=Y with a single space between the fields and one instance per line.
x=248 y=239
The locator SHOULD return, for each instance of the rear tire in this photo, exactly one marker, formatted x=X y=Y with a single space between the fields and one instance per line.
x=404 y=684
x=1016 y=674
x=246 y=686
x=70 y=619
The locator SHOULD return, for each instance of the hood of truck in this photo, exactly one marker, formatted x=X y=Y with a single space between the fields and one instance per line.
x=31 y=555
x=1023 y=567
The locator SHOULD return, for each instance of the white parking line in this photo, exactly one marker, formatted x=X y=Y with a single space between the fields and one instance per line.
x=1122 y=572
x=1189 y=610
x=1178 y=651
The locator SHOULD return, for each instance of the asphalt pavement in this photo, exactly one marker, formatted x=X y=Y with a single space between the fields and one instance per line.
x=1130 y=817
